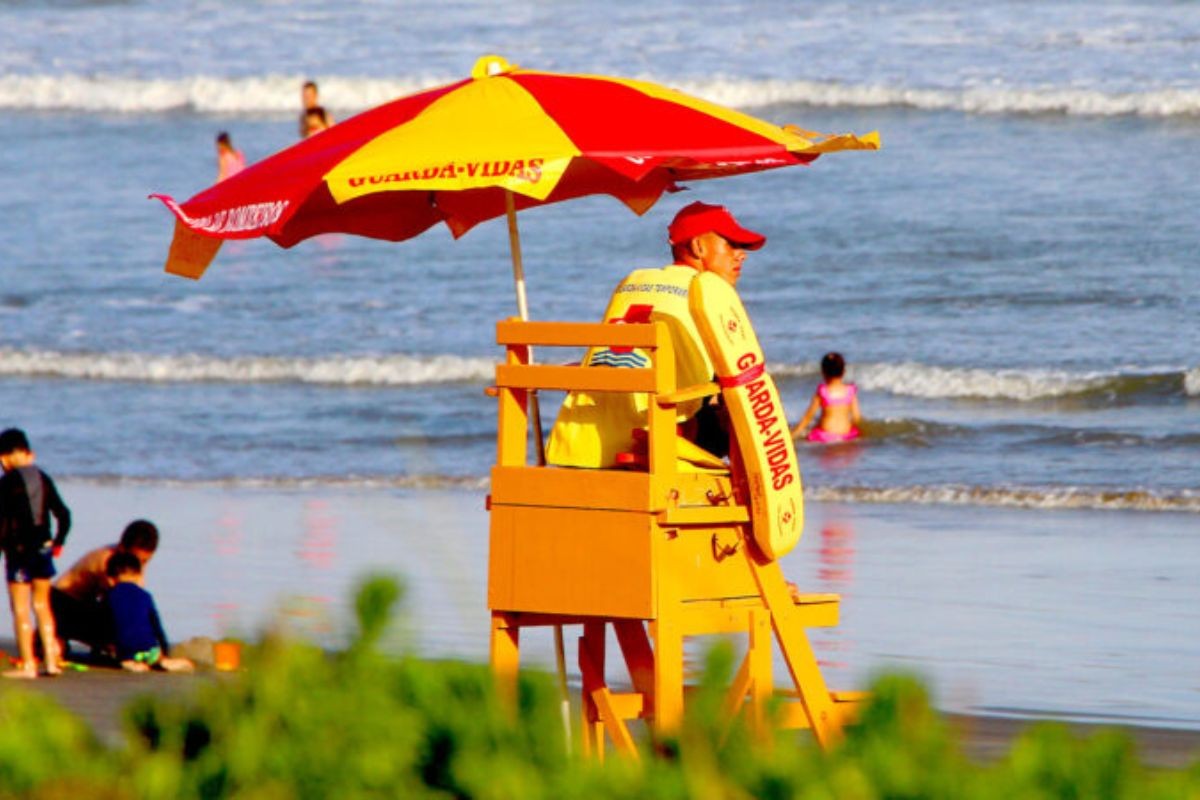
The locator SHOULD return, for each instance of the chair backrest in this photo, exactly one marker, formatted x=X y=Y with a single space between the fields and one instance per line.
x=519 y=375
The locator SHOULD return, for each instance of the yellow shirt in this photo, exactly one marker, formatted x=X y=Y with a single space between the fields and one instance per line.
x=592 y=428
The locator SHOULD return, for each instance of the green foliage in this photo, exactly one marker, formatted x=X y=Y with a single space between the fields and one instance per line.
x=903 y=746
x=1048 y=762
x=299 y=722
x=45 y=751
x=374 y=605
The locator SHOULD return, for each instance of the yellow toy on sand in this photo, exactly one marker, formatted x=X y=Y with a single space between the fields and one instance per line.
x=658 y=554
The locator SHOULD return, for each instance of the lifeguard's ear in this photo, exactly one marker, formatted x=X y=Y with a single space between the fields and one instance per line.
x=696 y=247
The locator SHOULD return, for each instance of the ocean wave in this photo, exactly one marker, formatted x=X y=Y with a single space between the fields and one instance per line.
x=913 y=379
x=905 y=378
x=991 y=100
x=912 y=432
x=289 y=484
x=1012 y=497
x=1031 y=497
x=277 y=94
x=201 y=94
x=919 y=432
x=1191 y=382
x=390 y=370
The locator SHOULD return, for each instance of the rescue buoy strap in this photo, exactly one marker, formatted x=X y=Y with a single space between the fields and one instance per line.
x=742 y=378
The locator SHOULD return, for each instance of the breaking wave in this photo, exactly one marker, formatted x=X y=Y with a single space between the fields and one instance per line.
x=906 y=378
x=200 y=94
x=967 y=383
x=1012 y=497
x=1046 y=498
x=276 y=94
x=282 y=483
x=391 y=370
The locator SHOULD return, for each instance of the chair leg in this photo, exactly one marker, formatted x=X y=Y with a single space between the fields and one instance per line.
x=505 y=657
x=823 y=718
x=668 y=677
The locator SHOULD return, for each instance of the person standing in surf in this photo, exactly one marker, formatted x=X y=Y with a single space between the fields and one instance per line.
x=230 y=160
x=837 y=402
x=314 y=118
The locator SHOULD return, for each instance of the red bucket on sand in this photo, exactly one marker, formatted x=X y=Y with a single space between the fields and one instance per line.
x=227 y=656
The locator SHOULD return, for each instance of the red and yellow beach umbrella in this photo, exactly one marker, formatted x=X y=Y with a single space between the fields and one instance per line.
x=504 y=139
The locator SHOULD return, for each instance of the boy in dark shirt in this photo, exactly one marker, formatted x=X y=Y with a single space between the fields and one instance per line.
x=141 y=641
x=28 y=498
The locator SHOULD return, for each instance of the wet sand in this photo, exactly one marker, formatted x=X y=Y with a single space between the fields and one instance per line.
x=1008 y=614
x=100 y=695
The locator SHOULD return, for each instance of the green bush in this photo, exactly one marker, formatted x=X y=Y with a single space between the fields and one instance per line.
x=45 y=750
x=299 y=722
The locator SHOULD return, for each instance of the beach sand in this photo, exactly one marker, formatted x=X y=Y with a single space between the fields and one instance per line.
x=1010 y=615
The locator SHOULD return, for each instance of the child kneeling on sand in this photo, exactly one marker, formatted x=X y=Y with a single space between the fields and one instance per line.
x=141 y=642
x=77 y=595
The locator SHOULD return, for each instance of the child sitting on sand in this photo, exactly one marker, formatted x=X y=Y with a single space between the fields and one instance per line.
x=838 y=403
x=141 y=642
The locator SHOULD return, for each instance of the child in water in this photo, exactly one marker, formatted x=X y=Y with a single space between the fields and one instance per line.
x=230 y=160
x=838 y=403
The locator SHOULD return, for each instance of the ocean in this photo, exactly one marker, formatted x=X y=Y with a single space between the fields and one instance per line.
x=1012 y=279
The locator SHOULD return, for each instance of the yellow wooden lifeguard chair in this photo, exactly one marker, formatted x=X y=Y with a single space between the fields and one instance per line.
x=659 y=555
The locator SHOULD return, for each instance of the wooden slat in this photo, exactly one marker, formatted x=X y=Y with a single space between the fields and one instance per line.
x=690 y=393
x=574 y=488
x=588 y=379
x=627 y=705
x=704 y=515
x=580 y=334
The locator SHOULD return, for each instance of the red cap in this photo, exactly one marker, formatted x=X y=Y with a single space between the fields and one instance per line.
x=697 y=218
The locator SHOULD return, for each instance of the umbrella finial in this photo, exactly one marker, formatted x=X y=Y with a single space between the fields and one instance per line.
x=488 y=66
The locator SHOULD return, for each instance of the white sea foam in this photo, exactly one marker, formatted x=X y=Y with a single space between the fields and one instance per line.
x=351 y=482
x=906 y=378
x=1013 y=497
x=933 y=382
x=277 y=94
x=1035 y=497
x=203 y=94
x=391 y=370
x=1191 y=382
x=918 y=380
x=972 y=100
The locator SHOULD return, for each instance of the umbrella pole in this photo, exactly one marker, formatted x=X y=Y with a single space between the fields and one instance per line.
x=514 y=245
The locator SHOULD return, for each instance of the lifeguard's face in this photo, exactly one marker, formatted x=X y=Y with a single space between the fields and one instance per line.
x=717 y=254
x=308 y=96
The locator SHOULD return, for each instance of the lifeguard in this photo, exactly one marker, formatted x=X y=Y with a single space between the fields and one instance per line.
x=592 y=429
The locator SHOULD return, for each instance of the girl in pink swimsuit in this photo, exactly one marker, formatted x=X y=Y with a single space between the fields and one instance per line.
x=230 y=160
x=838 y=403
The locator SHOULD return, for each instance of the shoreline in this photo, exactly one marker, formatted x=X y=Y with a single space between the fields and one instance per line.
x=1072 y=615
